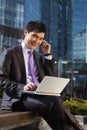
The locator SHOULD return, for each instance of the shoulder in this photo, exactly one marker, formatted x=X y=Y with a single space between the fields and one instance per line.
x=11 y=51
x=15 y=48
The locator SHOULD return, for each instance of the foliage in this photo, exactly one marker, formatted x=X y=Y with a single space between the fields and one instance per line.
x=76 y=106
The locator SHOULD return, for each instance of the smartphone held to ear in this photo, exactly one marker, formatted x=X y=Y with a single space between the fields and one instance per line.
x=45 y=47
x=44 y=43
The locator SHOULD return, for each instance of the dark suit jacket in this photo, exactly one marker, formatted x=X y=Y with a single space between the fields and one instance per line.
x=13 y=75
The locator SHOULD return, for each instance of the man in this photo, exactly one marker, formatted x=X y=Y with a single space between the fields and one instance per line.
x=16 y=75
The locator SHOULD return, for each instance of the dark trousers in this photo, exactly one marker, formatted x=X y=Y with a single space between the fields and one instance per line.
x=50 y=108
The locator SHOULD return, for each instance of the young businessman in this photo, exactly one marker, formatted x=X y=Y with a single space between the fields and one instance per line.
x=16 y=68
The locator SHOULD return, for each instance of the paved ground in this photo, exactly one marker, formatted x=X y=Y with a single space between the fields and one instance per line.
x=44 y=126
x=82 y=121
x=85 y=127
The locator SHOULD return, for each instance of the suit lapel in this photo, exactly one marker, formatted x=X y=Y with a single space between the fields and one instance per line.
x=39 y=65
x=36 y=57
x=20 y=58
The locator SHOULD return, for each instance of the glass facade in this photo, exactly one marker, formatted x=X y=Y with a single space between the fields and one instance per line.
x=11 y=13
x=32 y=10
x=76 y=68
x=50 y=18
x=66 y=23
x=11 y=22
x=79 y=30
x=79 y=46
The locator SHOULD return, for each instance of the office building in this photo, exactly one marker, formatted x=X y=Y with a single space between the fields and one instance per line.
x=16 y=14
x=66 y=23
x=11 y=22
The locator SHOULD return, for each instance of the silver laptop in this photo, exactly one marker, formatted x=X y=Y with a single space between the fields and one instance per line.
x=50 y=86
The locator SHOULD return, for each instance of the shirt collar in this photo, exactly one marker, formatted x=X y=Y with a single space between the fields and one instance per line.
x=24 y=47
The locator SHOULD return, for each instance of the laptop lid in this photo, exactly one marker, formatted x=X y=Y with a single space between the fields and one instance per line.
x=52 y=85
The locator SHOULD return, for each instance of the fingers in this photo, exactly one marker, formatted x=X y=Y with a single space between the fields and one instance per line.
x=30 y=87
x=44 y=43
x=46 y=47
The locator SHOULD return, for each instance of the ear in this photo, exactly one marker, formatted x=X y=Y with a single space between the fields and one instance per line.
x=25 y=32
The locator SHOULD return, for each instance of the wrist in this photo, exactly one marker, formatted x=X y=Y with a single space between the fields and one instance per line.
x=47 y=54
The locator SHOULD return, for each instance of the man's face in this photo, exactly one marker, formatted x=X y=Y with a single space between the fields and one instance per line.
x=33 y=39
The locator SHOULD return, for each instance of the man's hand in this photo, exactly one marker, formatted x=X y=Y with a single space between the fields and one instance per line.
x=30 y=87
x=45 y=47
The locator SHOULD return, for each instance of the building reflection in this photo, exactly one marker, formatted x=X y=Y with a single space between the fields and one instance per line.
x=66 y=22
x=77 y=72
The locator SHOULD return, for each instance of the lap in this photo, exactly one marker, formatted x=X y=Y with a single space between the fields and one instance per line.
x=37 y=103
x=42 y=105
x=41 y=98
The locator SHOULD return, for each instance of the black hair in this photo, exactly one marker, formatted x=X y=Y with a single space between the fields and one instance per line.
x=36 y=26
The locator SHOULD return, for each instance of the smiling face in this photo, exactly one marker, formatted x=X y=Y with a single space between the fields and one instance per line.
x=33 y=39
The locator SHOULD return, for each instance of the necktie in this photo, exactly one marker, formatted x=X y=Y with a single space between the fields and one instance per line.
x=31 y=68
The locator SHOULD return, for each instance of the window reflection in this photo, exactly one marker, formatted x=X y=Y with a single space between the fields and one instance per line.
x=66 y=22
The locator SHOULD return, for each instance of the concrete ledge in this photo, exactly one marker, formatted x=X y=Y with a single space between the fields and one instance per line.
x=19 y=120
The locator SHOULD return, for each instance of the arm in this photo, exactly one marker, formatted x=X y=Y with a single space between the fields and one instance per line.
x=49 y=66
x=9 y=75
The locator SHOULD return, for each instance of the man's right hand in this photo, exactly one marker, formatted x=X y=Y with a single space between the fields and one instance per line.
x=30 y=87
